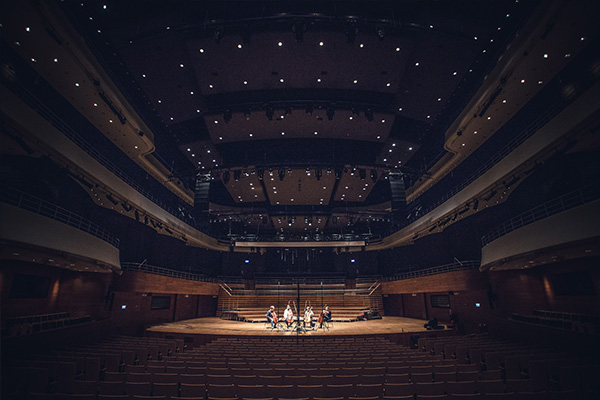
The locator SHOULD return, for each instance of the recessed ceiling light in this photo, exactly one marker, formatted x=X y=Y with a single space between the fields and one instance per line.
x=378 y=137
x=220 y=137
x=56 y=60
x=316 y=133
x=454 y=73
x=388 y=84
x=397 y=48
x=282 y=133
x=201 y=50
x=382 y=121
x=245 y=82
x=355 y=81
x=239 y=46
x=281 y=80
x=280 y=44
x=181 y=65
x=361 y=45
x=321 y=43
x=393 y=144
x=522 y=80
x=210 y=86
x=416 y=64
x=216 y=122
x=410 y=148
x=385 y=159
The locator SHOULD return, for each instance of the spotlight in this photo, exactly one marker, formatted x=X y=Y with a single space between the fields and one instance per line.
x=373 y=175
x=299 y=28
x=237 y=174
x=351 y=31
x=281 y=174
x=318 y=173
x=380 y=32
x=225 y=177
x=369 y=114
x=269 y=112
x=362 y=173
x=330 y=112
x=338 y=173
x=260 y=173
x=287 y=110
x=309 y=109
x=218 y=35
x=227 y=115
x=475 y=204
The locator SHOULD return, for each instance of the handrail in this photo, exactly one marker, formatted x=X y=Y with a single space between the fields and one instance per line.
x=225 y=287
x=374 y=288
x=131 y=266
x=20 y=199
x=440 y=269
x=567 y=201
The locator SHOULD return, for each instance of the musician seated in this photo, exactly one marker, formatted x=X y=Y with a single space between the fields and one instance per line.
x=308 y=314
x=288 y=316
x=271 y=315
x=325 y=316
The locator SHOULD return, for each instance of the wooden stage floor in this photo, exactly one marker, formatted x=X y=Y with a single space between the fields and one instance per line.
x=217 y=326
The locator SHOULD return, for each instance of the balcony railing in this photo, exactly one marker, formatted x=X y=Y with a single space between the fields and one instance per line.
x=36 y=205
x=59 y=124
x=570 y=200
x=523 y=135
x=151 y=269
x=440 y=269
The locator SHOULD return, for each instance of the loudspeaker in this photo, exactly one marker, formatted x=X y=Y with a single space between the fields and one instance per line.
x=201 y=199
x=398 y=192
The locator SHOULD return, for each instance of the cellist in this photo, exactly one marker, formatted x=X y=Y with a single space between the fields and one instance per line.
x=288 y=315
x=325 y=316
x=308 y=314
x=272 y=316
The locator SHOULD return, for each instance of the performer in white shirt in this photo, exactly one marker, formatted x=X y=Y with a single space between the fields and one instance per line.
x=288 y=316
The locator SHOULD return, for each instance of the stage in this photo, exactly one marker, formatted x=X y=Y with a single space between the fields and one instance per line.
x=203 y=330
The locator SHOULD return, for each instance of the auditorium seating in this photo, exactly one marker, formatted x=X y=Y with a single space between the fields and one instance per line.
x=305 y=367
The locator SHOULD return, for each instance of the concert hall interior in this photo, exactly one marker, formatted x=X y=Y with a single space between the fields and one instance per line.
x=429 y=170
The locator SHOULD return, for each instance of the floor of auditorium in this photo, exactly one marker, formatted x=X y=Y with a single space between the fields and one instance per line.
x=217 y=326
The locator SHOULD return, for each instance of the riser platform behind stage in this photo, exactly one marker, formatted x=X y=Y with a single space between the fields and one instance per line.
x=197 y=332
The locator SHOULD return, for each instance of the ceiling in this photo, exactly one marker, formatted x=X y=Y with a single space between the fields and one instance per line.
x=290 y=120
x=296 y=112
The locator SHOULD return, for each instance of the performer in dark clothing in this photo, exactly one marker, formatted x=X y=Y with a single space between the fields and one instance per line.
x=325 y=316
x=271 y=315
